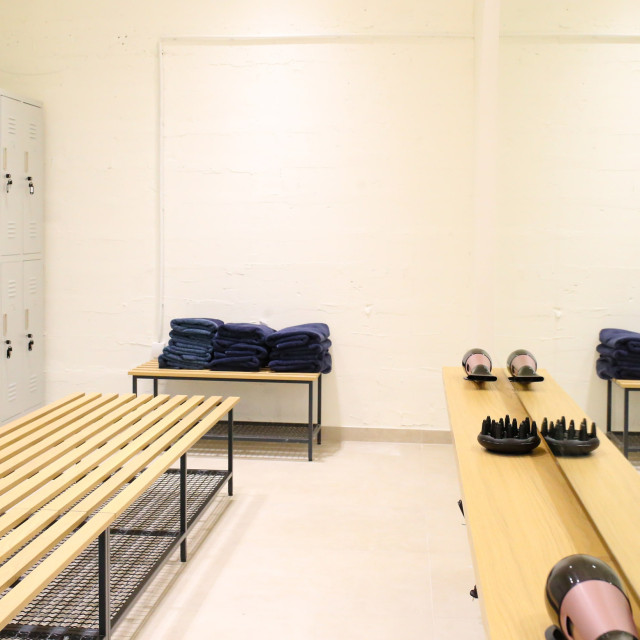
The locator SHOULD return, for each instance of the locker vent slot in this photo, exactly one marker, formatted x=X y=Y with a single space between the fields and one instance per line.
x=12 y=229
x=33 y=285
x=12 y=392
x=12 y=288
x=33 y=230
x=33 y=131
x=33 y=384
x=12 y=126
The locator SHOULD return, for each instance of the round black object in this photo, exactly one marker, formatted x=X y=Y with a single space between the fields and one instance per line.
x=509 y=445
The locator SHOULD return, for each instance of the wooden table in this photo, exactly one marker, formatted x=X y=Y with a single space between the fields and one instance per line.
x=70 y=470
x=524 y=514
x=151 y=371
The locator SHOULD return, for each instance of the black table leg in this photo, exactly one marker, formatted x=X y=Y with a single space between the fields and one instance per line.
x=625 y=435
x=134 y=384
x=320 y=409
x=104 y=577
x=310 y=384
x=183 y=506
x=609 y=385
x=230 y=451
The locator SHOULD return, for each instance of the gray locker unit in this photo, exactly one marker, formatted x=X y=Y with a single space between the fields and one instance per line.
x=21 y=259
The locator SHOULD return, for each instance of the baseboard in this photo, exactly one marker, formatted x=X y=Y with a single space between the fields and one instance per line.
x=387 y=434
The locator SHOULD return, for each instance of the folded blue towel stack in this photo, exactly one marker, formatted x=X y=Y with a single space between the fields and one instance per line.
x=241 y=346
x=303 y=348
x=190 y=344
x=619 y=358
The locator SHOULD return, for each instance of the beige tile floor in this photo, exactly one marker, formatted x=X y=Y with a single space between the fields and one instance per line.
x=365 y=542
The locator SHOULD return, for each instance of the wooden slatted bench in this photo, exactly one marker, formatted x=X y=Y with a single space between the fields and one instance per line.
x=73 y=474
x=524 y=513
x=305 y=435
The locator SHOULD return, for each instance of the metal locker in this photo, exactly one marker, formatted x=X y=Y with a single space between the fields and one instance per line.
x=12 y=360
x=11 y=163
x=32 y=177
x=32 y=343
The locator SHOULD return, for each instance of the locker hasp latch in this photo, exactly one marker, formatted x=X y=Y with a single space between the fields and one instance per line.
x=9 y=182
x=31 y=187
x=9 y=348
x=31 y=343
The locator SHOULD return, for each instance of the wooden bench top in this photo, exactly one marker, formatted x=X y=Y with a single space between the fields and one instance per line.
x=606 y=483
x=522 y=516
x=152 y=370
x=627 y=384
x=61 y=466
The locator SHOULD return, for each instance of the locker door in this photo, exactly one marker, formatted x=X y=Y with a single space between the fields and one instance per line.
x=33 y=338
x=32 y=177
x=11 y=356
x=11 y=197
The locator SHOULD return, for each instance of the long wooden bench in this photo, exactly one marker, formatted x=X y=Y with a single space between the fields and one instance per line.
x=151 y=371
x=70 y=470
x=524 y=513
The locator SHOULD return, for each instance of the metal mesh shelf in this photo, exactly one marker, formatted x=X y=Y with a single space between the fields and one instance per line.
x=141 y=538
x=264 y=432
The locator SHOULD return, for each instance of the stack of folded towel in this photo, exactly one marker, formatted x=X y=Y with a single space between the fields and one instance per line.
x=241 y=346
x=190 y=344
x=619 y=355
x=303 y=348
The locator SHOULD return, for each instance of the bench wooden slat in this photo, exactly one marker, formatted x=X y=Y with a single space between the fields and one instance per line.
x=151 y=369
x=136 y=488
x=34 y=443
x=48 y=492
x=605 y=481
x=53 y=461
x=33 y=583
x=37 y=414
x=155 y=444
x=30 y=425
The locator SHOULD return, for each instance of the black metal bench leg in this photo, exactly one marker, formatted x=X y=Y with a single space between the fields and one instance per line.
x=310 y=421
x=104 y=578
x=625 y=435
x=230 y=451
x=609 y=385
x=155 y=387
x=134 y=384
x=320 y=409
x=183 y=507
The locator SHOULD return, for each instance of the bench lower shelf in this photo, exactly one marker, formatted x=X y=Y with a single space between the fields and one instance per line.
x=266 y=432
x=141 y=539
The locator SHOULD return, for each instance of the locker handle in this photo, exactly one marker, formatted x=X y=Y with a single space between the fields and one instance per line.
x=9 y=182
x=31 y=187
x=9 y=348
x=31 y=342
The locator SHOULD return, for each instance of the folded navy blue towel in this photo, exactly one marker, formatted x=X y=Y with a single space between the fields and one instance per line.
x=168 y=360
x=299 y=335
x=187 y=346
x=608 y=369
x=246 y=332
x=621 y=339
x=314 y=350
x=206 y=324
x=236 y=363
x=612 y=352
x=322 y=365
x=192 y=334
x=239 y=347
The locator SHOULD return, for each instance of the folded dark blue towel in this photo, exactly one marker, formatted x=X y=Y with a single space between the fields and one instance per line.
x=246 y=332
x=239 y=347
x=193 y=334
x=168 y=360
x=207 y=324
x=607 y=369
x=314 y=350
x=621 y=339
x=299 y=335
x=322 y=365
x=612 y=352
x=236 y=363
x=186 y=346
